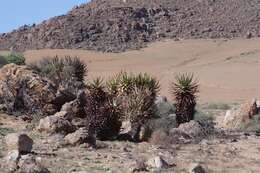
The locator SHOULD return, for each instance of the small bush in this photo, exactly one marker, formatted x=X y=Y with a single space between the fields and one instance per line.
x=251 y=126
x=3 y=61
x=217 y=106
x=15 y=58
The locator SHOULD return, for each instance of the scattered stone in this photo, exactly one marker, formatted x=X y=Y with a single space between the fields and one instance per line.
x=80 y=136
x=28 y=164
x=13 y=156
x=157 y=163
x=12 y=159
x=20 y=142
x=197 y=168
x=136 y=166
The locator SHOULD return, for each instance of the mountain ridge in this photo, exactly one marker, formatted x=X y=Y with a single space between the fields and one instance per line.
x=117 y=26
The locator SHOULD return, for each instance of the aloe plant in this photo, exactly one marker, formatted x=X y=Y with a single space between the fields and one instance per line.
x=184 y=91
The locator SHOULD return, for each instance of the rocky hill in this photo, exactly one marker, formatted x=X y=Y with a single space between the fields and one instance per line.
x=119 y=25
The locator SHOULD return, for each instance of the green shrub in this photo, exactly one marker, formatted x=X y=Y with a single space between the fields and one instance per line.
x=3 y=61
x=252 y=125
x=136 y=94
x=15 y=58
x=217 y=106
x=67 y=72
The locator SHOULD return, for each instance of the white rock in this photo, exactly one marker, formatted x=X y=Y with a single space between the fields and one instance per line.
x=13 y=156
x=157 y=163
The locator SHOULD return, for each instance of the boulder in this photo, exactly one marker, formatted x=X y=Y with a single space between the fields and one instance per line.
x=20 y=142
x=55 y=124
x=243 y=114
x=192 y=129
x=76 y=107
x=80 y=136
x=133 y=132
x=189 y=132
x=28 y=164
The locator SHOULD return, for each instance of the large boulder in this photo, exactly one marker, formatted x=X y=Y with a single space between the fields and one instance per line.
x=192 y=131
x=55 y=124
x=19 y=142
x=80 y=136
x=76 y=106
x=21 y=90
x=236 y=117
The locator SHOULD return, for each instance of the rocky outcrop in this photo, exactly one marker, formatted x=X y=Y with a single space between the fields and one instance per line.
x=113 y=26
x=23 y=91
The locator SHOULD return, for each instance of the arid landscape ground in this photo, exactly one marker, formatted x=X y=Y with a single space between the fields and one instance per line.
x=54 y=119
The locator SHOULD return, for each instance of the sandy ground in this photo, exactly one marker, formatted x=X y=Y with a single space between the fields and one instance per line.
x=226 y=70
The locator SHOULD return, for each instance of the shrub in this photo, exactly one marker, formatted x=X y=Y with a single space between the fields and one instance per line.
x=102 y=114
x=15 y=58
x=251 y=126
x=184 y=91
x=66 y=72
x=136 y=94
x=3 y=61
x=217 y=106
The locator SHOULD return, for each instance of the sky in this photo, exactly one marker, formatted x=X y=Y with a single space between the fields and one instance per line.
x=15 y=13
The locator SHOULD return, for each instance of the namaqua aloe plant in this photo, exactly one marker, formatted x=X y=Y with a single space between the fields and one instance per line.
x=184 y=90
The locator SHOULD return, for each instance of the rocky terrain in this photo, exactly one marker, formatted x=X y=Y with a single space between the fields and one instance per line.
x=229 y=152
x=116 y=25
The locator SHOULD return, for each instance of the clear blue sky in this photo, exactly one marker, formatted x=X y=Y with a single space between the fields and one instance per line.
x=15 y=13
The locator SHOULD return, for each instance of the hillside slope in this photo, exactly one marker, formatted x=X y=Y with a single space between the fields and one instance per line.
x=115 y=26
x=226 y=70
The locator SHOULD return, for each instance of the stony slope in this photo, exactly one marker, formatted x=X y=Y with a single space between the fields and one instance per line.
x=115 y=26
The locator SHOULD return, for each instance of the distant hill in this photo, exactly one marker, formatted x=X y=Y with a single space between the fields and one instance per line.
x=116 y=26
